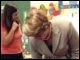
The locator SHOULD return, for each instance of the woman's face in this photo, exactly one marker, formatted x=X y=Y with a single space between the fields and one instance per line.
x=15 y=17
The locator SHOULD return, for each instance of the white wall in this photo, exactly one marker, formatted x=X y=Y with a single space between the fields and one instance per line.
x=38 y=3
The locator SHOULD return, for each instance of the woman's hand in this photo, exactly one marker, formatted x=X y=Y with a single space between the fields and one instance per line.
x=14 y=26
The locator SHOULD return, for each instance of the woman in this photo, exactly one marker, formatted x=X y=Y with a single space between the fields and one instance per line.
x=11 y=44
x=51 y=40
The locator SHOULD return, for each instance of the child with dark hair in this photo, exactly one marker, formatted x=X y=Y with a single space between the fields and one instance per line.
x=11 y=44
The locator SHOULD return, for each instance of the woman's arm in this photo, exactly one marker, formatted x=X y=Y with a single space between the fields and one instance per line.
x=73 y=42
x=6 y=38
x=34 y=50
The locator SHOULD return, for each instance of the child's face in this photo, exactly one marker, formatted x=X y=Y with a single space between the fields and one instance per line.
x=15 y=17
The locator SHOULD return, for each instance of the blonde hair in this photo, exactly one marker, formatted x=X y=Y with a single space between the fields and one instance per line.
x=34 y=22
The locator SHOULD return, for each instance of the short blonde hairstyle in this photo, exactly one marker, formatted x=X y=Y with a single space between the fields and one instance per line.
x=34 y=22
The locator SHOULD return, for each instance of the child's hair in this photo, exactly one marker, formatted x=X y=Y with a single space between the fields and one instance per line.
x=7 y=16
